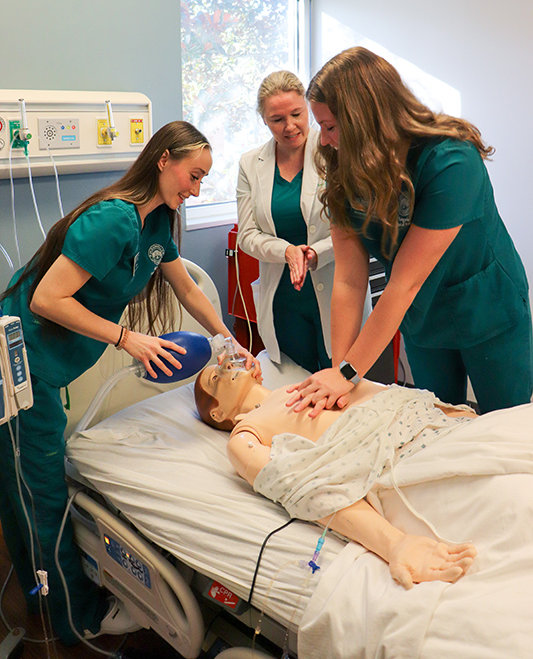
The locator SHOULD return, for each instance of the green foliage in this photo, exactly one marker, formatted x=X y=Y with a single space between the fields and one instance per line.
x=228 y=47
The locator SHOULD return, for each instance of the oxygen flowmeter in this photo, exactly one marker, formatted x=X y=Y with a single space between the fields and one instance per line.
x=15 y=385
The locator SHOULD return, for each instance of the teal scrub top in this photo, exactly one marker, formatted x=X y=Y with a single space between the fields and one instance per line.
x=479 y=287
x=290 y=226
x=108 y=241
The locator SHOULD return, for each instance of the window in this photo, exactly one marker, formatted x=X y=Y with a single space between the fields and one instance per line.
x=228 y=47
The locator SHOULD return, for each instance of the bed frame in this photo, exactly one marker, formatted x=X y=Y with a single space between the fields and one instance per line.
x=156 y=589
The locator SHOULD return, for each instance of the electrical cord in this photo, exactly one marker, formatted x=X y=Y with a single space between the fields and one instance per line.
x=267 y=538
x=241 y=294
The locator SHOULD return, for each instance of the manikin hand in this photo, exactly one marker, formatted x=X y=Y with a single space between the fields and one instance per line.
x=414 y=559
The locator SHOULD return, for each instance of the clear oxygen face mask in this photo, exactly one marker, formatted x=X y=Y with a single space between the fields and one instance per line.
x=232 y=360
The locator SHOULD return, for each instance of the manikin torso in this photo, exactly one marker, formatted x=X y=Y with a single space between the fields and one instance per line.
x=271 y=416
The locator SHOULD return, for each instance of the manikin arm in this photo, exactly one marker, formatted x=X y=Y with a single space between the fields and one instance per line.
x=412 y=559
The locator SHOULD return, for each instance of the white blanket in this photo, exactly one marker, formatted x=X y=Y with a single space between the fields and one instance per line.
x=476 y=484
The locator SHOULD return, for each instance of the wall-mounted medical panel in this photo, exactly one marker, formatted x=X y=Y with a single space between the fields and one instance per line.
x=79 y=131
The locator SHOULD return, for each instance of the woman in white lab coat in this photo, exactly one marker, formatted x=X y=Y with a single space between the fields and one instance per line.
x=281 y=225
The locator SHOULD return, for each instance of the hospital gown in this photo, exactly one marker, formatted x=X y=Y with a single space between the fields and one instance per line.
x=312 y=480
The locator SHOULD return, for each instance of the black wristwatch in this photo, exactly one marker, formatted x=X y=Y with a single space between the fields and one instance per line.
x=349 y=373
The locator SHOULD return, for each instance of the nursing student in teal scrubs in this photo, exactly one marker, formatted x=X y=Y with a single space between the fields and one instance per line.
x=116 y=247
x=281 y=225
x=410 y=187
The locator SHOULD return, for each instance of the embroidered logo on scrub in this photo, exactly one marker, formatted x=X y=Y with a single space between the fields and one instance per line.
x=403 y=210
x=156 y=253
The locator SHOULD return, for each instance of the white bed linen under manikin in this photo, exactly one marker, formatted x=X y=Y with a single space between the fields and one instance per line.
x=169 y=475
x=474 y=485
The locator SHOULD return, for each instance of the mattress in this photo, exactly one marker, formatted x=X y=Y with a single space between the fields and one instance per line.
x=168 y=473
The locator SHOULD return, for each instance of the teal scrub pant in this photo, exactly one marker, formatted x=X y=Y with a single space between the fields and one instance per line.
x=500 y=369
x=42 y=452
x=299 y=330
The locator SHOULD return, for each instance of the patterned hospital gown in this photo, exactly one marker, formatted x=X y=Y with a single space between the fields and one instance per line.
x=312 y=480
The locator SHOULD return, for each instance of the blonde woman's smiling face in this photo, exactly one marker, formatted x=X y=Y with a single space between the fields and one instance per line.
x=287 y=117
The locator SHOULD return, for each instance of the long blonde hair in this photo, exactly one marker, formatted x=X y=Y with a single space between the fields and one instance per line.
x=138 y=186
x=376 y=116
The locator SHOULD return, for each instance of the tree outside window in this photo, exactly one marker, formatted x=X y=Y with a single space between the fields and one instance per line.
x=228 y=47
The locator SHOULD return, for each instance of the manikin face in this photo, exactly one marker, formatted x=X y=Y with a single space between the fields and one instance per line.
x=287 y=117
x=179 y=179
x=328 y=124
x=229 y=386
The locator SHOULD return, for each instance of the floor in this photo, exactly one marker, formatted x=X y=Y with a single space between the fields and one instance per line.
x=143 y=644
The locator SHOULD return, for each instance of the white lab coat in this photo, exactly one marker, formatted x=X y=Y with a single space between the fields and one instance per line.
x=257 y=236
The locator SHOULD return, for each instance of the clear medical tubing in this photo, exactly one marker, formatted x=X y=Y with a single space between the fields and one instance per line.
x=199 y=348
x=94 y=405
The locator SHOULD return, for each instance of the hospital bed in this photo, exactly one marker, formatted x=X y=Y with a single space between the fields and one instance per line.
x=165 y=523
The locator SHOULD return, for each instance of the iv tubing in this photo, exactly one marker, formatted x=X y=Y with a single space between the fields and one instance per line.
x=7 y=258
x=13 y=202
x=94 y=406
x=34 y=199
x=57 y=182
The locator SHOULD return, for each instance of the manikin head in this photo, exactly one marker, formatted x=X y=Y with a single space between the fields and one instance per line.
x=222 y=393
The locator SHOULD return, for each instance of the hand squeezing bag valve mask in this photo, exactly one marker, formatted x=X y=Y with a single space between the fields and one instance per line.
x=198 y=354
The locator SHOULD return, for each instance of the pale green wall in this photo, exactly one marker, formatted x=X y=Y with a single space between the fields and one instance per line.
x=116 y=45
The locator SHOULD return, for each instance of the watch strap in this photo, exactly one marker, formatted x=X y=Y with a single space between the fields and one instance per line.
x=349 y=373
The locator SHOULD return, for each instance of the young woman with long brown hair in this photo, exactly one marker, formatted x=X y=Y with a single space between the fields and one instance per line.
x=409 y=187
x=114 y=248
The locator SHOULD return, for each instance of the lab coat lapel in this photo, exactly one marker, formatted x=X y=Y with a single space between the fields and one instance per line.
x=266 y=161
x=310 y=178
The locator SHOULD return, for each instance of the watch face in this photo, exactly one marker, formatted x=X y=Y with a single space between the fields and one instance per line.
x=348 y=371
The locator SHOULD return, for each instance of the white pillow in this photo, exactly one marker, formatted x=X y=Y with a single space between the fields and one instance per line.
x=278 y=375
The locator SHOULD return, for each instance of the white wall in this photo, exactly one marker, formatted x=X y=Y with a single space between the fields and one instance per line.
x=481 y=48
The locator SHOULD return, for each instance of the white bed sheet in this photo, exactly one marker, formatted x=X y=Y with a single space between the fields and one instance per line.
x=474 y=485
x=168 y=473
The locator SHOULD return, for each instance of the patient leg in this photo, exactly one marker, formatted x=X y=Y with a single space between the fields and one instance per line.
x=412 y=559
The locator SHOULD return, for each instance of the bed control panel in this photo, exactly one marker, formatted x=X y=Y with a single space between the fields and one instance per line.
x=127 y=560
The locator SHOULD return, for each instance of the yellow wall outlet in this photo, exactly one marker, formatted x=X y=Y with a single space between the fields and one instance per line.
x=103 y=138
x=136 y=131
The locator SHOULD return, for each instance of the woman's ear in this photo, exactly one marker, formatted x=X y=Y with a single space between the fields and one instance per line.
x=161 y=163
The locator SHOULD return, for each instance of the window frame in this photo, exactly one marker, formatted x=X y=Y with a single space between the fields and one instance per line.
x=214 y=214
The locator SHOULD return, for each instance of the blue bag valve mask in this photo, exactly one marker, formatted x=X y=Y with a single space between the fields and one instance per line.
x=200 y=349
